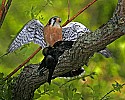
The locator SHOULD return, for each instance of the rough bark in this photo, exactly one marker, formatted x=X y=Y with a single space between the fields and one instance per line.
x=77 y=56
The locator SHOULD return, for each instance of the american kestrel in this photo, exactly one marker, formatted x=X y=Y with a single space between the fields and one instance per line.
x=34 y=31
x=53 y=31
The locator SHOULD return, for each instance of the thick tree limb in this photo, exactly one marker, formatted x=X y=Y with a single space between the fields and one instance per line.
x=77 y=56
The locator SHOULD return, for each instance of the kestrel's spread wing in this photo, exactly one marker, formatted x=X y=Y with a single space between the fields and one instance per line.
x=35 y=32
x=31 y=32
x=73 y=31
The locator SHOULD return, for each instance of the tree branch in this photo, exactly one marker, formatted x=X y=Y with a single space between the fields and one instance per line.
x=79 y=12
x=3 y=10
x=77 y=56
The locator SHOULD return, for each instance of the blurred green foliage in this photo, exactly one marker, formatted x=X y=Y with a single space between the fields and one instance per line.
x=108 y=70
x=6 y=88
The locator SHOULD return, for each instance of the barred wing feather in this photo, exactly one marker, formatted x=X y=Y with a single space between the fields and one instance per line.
x=74 y=30
x=31 y=32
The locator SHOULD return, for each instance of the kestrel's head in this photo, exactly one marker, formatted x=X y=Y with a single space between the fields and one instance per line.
x=55 y=21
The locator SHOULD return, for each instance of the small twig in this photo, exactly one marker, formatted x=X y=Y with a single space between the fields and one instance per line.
x=83 y=9
x=3 y=11
x=2 y=8
x=83 y=77
x=109 y=93
x=68 y=9
x=27 y=60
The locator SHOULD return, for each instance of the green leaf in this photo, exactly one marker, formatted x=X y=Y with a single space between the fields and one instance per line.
x=51 y=87
x=117 y=86
x=12 y=36
x=65 y=94
x=37 y=95
x=76 y=96
x=92 y=77
x=1 y=75
x=50 y=2
x=2 y=82
x=38 y=90
x=45 y=87
x=70 y=94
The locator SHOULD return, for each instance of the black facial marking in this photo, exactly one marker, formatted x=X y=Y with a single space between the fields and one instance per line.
x=50 y=21
x=53 y=18
x=54 y=22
